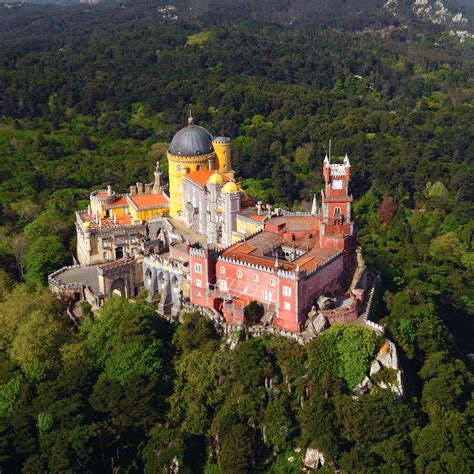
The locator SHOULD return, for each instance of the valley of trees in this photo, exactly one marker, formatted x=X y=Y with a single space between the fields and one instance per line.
x=93 y=97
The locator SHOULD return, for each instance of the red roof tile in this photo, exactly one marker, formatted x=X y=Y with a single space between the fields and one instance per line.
x=120 y=202
x=149 y=201
x=202 y=176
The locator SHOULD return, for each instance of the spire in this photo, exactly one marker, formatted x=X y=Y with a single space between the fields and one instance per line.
x=190 y=118
x=346 y=161
x=314 y=207
x=157 y=183
x=326 y=160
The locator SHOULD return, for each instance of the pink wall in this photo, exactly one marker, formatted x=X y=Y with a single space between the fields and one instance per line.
x=326 y=279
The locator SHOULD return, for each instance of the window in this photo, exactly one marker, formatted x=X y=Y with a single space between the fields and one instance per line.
x=198 y=283
x=198 y=293
x=243 y=228
x=287 y=291
x=321 y=277
x=222 y=270
x=246 y=290
x=180 y=188
x=223 y=285
x=255 y=278
x=287 y=305
x=267 y=295
x=198 y=268
x=119 y=239
x=337 y=211
x=133 y=238
x=272 y=282
x=239 y=274
x=178 y=168
x=106 y=255
x=105 y=243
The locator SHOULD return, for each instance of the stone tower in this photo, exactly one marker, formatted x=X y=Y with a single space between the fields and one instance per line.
x=230 y=208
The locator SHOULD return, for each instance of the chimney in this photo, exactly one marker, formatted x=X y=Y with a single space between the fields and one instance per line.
x=148 y=188
x=109 y=190
x=259 y=207
x=133 y=190
x=140 y=188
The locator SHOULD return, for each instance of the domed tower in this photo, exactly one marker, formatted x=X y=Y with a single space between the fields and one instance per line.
x=190 y=150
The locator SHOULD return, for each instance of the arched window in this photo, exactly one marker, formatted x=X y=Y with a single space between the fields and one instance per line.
x=222 y=270
x=198 y=167
x=239 y=274
x=337 y=211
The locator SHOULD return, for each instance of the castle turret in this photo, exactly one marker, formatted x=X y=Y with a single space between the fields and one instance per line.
x=213 y=183
x=230 y=208
x=223 y=151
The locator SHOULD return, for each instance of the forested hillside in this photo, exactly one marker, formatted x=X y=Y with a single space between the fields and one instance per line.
x=91 y=97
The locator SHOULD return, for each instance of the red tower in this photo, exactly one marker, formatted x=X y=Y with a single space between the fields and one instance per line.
x=337 y=226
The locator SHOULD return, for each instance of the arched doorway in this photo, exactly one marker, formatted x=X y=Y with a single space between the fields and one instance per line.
x=148 y=279
x=161 y=281
x=118 y=253
x=218 y=305
x=118 y=288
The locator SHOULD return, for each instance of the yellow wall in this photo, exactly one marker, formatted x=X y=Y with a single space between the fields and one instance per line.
x=176 y=178
x=118 y=211
x=150 y=213
x=246 y=228
x=223 y=153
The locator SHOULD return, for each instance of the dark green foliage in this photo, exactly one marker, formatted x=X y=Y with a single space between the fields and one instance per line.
x=195 y=332
x=342 y=352
x=253 y=313
x=236 y=451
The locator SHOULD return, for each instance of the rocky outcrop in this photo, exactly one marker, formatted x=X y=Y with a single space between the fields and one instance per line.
x=316 y=322
x=374 y=367
x=387 y=355
x=313 y=458
x=363 y=387
x=384 y=372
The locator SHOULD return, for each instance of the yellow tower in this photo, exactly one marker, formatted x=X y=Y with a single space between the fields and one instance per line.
x=190 y=150
x=222 y=148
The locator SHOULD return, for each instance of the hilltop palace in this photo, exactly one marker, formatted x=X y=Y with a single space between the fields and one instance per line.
x=203 y=244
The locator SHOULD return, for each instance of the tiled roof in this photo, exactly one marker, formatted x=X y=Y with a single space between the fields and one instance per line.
x=106 y=223
x=148 y=201
x=202 y=176
x=256 y=249
x=256 y=217
x=120 y=202
x=295 y=223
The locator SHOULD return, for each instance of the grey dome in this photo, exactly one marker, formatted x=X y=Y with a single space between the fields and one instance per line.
x=191 y=141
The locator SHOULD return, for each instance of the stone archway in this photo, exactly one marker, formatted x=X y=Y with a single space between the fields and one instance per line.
x=148 y=279
x=118 y=288
x=160 y=280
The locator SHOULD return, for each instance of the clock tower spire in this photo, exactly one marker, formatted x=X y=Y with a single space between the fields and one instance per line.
x=337 y=227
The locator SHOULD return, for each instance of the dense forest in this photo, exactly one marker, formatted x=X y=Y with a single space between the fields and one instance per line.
x=92 y=96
